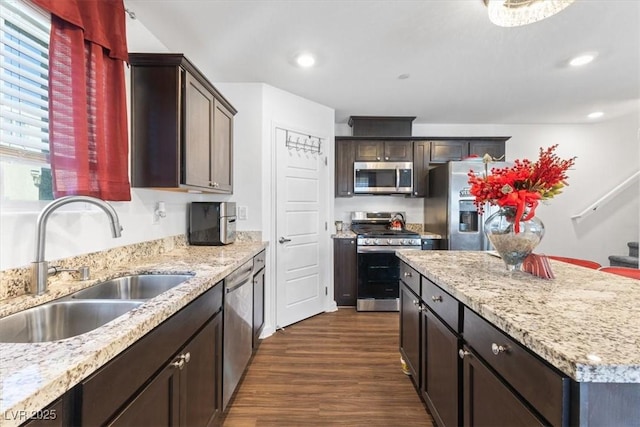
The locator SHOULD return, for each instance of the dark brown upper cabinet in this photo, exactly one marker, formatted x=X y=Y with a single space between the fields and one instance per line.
x=421 y=159
x=444 y=150
x=345 y=156
x=182 y=127
x=379 y=151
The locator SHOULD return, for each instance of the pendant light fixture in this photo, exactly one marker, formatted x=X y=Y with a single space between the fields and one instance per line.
x=514 y=13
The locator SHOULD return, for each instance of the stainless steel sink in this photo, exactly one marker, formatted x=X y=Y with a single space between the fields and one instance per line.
x=60 y=319
x=134 y=287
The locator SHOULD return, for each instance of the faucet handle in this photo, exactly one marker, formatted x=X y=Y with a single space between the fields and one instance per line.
x=83 y=271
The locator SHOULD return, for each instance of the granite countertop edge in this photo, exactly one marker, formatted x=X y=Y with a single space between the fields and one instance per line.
x=549 y=345
x=28 y=379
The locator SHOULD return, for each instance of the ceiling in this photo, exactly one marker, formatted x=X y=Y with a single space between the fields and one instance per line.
x=461 y=67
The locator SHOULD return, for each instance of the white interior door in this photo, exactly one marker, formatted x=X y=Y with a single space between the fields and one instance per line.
x=300 y=226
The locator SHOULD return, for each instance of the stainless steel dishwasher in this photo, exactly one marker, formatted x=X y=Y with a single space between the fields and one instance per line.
x=238 y=328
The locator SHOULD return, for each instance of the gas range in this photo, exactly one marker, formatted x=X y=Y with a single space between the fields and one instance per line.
x=373 y=230
x=380 y=234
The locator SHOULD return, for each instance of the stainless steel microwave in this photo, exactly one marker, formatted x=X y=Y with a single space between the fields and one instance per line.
x=382 y=177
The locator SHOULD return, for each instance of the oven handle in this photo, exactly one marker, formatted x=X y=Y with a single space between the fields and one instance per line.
x=385 y=249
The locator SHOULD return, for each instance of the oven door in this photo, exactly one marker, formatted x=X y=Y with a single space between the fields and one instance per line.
x=382 y=178
x=378 y=274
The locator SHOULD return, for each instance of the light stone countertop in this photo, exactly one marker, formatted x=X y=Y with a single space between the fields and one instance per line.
x=584 y=322
x=34 y=375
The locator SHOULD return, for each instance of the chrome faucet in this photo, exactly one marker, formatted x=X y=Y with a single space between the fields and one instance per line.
x=40 y=270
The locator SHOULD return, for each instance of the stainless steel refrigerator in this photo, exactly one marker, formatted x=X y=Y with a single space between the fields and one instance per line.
x=449 y=209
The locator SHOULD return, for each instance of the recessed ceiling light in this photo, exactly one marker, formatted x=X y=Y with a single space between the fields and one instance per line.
x=305 y=60
x=581 y=60
x=595 y=115
x=404 y=76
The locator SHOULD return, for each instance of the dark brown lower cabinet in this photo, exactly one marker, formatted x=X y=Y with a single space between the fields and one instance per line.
x=440 y=370
x=410 y=331
x=171 y=377
x=57 y=414
x=157 y=404
x=487 y=401
x=187 y=391
x=258 y=300
x=345 y=264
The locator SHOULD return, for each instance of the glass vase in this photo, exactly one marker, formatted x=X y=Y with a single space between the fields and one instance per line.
x=513 y=247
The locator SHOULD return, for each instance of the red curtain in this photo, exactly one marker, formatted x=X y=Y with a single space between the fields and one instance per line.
x=88 y=129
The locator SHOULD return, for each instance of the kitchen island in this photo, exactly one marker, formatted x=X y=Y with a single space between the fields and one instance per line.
x=583 y=327
x=34 y=375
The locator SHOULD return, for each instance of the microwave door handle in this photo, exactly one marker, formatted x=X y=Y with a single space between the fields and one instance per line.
x=397 y=178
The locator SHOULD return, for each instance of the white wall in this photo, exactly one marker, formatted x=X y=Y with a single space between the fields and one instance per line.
x=608 y=152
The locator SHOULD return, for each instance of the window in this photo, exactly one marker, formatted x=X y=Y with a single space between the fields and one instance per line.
x=25 y=173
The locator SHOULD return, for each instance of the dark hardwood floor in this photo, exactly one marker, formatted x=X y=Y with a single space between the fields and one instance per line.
x=334 y=369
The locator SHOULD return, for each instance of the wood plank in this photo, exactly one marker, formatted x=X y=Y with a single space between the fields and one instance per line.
x=340 y=368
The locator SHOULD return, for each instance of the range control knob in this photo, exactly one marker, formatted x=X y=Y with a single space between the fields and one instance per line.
x=369 y=242
x=376 y=241
x=390 y=241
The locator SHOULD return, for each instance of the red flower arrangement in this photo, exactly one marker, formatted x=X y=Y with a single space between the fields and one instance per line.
x=522 y=185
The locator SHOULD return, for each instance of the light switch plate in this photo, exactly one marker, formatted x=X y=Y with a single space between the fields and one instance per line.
x=242 y=212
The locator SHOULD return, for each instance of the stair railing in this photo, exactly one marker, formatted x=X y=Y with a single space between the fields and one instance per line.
x=615 y=190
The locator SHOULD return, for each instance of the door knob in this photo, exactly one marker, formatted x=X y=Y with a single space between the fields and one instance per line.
x=283 y=240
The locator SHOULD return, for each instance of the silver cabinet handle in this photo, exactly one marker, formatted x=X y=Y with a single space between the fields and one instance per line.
x=436 y=298
x=408 y=274
x=463 y=353
x=497 y=349
x=182 y=360
x=283 y=240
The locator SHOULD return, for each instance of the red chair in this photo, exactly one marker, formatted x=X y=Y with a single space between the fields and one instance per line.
x=634 y=273
x=581 y=262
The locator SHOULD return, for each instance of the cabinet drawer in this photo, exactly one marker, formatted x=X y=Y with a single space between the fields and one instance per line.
x=539 y=384
x=441 y=303
x=411 y=277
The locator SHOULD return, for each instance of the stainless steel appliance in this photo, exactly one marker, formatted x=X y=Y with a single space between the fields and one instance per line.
x=378 y=269
x=238 y=328
x=449 y=209
x=212 y=223
x=382 y=177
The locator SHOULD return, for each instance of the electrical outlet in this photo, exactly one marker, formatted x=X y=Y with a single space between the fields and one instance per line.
x=242 y=212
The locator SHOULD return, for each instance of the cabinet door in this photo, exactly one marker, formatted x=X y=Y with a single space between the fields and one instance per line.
x=369 y=151
x=487 y=401
x=156 y=405
x=410 y=331
x=198 y=133
x=494 y=148
x=444 y=151
x=258 y=307
x=57 y=414
x=345 y=156
x=200 y=378
x=345 y=271
x=440 y=370
x=421 y=159
x=222 y=150
x=398 y=151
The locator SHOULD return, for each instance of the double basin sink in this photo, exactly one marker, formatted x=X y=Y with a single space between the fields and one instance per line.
x=85 y=310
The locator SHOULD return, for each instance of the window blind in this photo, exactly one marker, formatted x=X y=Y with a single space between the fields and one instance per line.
x=24 y=98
